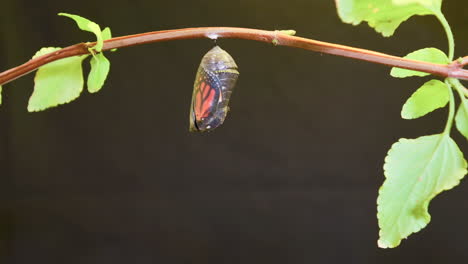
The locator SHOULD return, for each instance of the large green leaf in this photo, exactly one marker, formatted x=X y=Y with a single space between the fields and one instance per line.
x=428 y=54
x=416 y=170
x=384 y=15
x=58 y=82
x=432 y=95
x=99 y=70
x=461 y=118
x=88 y=25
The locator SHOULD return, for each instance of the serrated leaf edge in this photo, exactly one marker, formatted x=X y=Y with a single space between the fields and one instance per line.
x=31 y=109
x=379 y=214
x=427 y=202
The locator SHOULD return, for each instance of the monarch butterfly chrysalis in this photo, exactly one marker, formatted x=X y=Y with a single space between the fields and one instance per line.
x=214 y=82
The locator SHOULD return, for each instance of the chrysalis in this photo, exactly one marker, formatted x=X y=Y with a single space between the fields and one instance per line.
x=214 y=82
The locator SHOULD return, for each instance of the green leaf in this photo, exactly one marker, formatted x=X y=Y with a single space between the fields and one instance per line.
x=99 y=69
x=416 y=170
x=428 y=55
x=384 y=15
x=430 y=4
x=106 y=33
x=88 y=25
x=58 y=82
x=429 y=97
x=461 y=118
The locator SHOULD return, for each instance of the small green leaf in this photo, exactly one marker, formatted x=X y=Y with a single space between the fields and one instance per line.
x=461 y=118
x=99 y=69
x=58 y=82
x=416 y=170
x=384 y=15
x=428 y=55
x=106 y=34
x=429 y=97
x=88 y=25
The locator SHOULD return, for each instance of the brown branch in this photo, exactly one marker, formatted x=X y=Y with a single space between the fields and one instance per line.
x=275 y=37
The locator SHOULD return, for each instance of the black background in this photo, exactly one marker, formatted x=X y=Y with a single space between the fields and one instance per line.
x=291 y=177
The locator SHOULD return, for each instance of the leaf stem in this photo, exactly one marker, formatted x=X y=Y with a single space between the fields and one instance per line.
x=451 y=41
x=451 y=114
x=280 y=39
x=459 y=87
x=449 y=81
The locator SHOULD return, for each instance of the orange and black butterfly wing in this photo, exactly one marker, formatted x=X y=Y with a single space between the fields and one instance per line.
x=205 y=98
x=214 y=82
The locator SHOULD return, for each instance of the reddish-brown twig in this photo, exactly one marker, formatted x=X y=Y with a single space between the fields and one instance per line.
x=275 y=37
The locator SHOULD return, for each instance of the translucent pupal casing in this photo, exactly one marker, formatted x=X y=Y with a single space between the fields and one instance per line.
x=216 y=77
